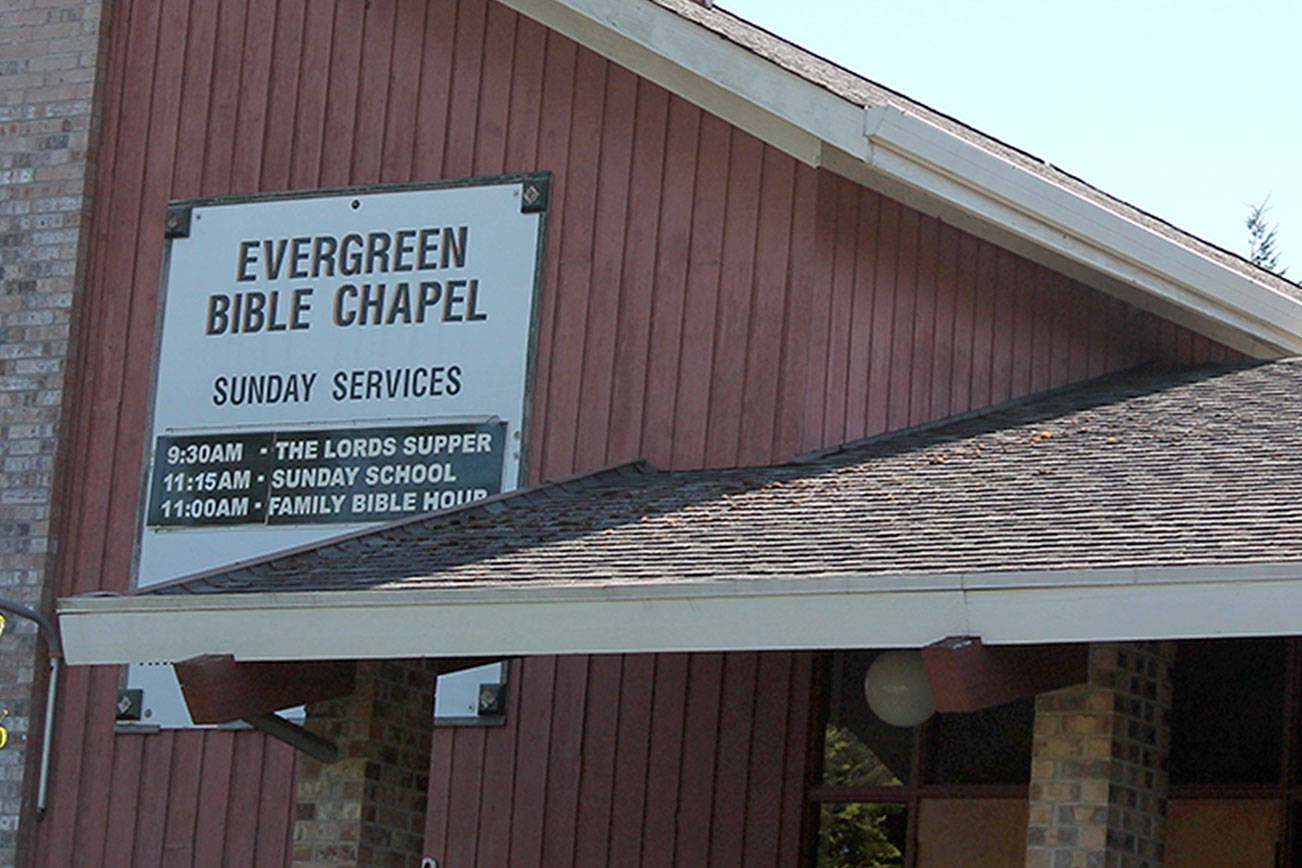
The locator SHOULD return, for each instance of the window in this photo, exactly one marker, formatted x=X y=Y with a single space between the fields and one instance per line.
x=1236 y=782
x=949 y=792
x=953 y=792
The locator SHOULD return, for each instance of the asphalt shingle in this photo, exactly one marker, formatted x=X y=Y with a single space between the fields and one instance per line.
x=1198 y=466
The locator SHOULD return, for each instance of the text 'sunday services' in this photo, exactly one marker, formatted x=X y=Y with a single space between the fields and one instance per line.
x=377 y=279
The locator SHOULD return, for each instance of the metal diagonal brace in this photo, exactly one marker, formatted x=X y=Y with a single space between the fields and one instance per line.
x=295 y=736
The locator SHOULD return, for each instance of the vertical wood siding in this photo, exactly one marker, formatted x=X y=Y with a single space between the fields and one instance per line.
x=707 y=301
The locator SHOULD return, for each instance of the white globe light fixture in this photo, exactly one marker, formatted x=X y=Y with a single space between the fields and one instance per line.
x=897 y=688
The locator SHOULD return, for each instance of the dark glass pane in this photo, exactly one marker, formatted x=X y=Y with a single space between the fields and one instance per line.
x=861 y=835
x=859 y=749
x=1227 y=712
x=990 y=746
x=848 y=762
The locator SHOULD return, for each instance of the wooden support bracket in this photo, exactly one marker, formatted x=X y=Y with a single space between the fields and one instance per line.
x=217 y=689
x=966 y=675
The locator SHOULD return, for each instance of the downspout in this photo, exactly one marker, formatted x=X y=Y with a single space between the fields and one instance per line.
x=55 y=651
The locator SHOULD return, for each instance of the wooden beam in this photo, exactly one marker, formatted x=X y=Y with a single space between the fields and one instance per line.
x=966 y=675
x=217 y=689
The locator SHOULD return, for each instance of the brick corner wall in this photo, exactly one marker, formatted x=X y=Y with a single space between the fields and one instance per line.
x=51 y=68
x=1098 y=768
x=369 y=807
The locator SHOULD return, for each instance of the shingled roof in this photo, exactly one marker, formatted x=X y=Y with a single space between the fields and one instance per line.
x=1152 y=468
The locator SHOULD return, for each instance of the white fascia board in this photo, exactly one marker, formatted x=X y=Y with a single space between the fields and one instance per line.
x=707 y=70
x=768 y=614
x=1214 y=325
x=920 y=163
x=929 y=158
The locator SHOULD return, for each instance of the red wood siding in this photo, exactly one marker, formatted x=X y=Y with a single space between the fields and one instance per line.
x=707 y=301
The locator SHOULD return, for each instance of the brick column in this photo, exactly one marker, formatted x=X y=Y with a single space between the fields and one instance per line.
x=1098 y=767
x=369 y=808
x=51 y=66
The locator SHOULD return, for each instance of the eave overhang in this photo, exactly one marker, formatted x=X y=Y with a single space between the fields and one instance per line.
x=777 y=613
x=930 y=168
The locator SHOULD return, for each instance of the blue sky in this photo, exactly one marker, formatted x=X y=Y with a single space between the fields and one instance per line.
x=1189 y=110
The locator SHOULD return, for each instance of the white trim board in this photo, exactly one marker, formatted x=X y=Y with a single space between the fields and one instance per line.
x=934 y=170
x=763 y=614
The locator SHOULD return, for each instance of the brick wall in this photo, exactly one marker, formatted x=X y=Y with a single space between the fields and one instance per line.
x=369 y=807
x=51 y=58
x=1098 y=767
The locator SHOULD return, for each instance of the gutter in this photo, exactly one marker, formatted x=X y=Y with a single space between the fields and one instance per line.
x=791 y=613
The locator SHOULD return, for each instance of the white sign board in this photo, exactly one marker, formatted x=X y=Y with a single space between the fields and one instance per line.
x=329 y=361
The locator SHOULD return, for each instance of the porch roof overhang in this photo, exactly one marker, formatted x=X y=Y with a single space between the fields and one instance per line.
x=908 y=611
x=1153 y=505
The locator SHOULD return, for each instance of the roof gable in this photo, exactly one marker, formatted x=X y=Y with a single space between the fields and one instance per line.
x=829 y=117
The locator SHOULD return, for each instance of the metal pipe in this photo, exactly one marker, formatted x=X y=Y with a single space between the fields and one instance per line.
x=55 y=651
x=47 y=738
x=46 y=628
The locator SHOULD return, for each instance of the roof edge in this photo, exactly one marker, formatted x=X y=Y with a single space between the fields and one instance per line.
x=982 y=184
x=1024 y=400
x=934 y=170
x=771 y=613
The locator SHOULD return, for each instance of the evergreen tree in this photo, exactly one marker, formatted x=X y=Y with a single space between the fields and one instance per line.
x=1261 y=238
